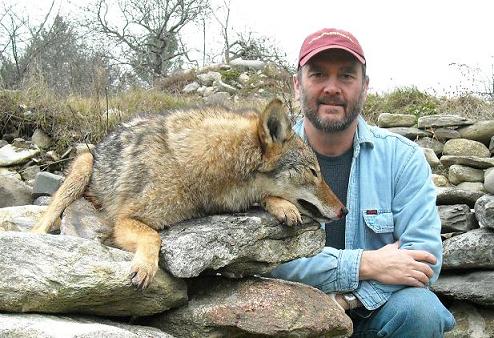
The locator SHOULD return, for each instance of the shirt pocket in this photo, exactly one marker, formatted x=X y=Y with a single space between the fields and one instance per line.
x=378 y=220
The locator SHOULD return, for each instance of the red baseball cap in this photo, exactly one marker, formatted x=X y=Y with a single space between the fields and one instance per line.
x=328 y=38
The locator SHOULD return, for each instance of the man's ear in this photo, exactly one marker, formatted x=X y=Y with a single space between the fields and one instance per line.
x=274 y=125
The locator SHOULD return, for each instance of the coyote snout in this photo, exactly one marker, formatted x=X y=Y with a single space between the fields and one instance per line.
x=161 y=169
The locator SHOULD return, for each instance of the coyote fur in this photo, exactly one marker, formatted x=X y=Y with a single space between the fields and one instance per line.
x=157 y=170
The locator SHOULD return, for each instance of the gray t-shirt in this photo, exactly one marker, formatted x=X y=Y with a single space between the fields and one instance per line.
x=336 y=172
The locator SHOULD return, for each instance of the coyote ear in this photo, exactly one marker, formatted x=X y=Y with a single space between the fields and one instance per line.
x=274 y=125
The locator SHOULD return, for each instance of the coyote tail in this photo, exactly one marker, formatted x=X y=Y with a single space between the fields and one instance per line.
x=71 y=189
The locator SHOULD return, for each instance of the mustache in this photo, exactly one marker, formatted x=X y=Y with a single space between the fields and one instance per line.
x=334 y=101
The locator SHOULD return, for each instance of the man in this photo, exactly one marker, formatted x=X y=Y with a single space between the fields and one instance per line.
x=381 y=258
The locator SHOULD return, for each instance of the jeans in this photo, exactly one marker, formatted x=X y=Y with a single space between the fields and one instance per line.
x=409 y=313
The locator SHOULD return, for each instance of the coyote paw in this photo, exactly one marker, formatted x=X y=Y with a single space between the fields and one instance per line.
x=286 y=212
x=142 y=271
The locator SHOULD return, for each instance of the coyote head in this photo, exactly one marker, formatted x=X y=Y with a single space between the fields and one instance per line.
x=291 y=168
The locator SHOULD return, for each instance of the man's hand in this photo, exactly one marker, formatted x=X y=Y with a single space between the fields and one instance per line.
x=392 y=265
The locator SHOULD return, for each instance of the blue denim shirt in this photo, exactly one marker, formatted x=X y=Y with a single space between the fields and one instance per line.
x=390 y=197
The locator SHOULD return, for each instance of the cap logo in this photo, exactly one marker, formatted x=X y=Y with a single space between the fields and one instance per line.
x=331 y=33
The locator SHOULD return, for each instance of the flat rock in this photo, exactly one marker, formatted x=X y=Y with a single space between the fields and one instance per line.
x=387 y=120
x=11 y=155
x=65 y=274
x=471 y=250
x=240 y=244
x=471 y=321
x=443 y=120
x=481 y=131
x=410 y=132
x=444 y=134
x=253 y=307
x=456 y=218
x=471 y=161
x=475 y=287
x=454 y=195
x=50 y=326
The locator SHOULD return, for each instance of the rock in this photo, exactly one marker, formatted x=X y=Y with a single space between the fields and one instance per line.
x=410 y=132
x=42 y=200
x=431 y=157
x=475 y=287
x=459 y=173
x=428 y=142
x=82 y=220
x=50 y=326
x=491 y=145
x=471 y=321
x=471 y=161
x=191 y=87
x=65 y=274
x=14 y=192
x=240 y=244
x=387 y=120
x=81 y=148
x=208 y=78
x=484 y=211
x=11 y=173
x=457 y=217
x=464 y=147
x=489 y=180
x=254 y=307
x=208 y=91
x=247 y=64
x=471 y=250
x=442 y=120
x=440 y=180
x=29 y=173
x=444 y=134
x=20 y=218
x=219 y=98
x=244 y=79
x=46 y=184
x=41 y=139
x=11 y=155
x=481 y=131
x=472 y=186
x=224 y=87
x=454 y=195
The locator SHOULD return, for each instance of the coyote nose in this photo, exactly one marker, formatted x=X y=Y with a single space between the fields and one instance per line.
x=343 y=212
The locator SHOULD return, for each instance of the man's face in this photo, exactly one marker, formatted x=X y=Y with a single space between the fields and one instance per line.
x=332 y=90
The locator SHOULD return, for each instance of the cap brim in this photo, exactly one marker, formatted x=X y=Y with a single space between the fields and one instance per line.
x=307 y=57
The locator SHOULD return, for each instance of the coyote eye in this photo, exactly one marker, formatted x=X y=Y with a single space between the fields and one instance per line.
x=313 y=171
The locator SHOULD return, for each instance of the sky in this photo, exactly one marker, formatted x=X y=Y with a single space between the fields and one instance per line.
x=420 y=43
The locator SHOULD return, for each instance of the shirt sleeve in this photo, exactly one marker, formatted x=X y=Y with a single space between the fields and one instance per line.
x=331 y=270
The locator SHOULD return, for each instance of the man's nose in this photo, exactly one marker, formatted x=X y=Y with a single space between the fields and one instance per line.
x=331 y=86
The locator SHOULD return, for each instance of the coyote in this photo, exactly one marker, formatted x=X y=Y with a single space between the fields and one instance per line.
x=157 y=170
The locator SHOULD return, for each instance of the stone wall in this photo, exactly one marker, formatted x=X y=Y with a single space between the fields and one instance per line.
x=459 y=152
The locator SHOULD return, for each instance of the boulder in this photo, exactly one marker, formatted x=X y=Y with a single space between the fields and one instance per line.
x=11 y=155
x=454 y=195
x=484 y=211
x=51 y=326
x=481 y=131
x=429 y=142
x=475 y=287
x=65 y=274
x=20 y=218
x=471 y=321
x=456 y=218
x=254 y=307
x=240 y=244
x=464 y=147
x=471 y=250
x=458 y=173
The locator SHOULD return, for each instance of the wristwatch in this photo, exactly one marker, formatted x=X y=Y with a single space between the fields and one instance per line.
x=351 y=300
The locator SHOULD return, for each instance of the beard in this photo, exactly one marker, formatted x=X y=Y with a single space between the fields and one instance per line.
x=352 y=111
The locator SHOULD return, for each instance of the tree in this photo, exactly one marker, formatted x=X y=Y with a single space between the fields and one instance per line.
x=146 y=33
